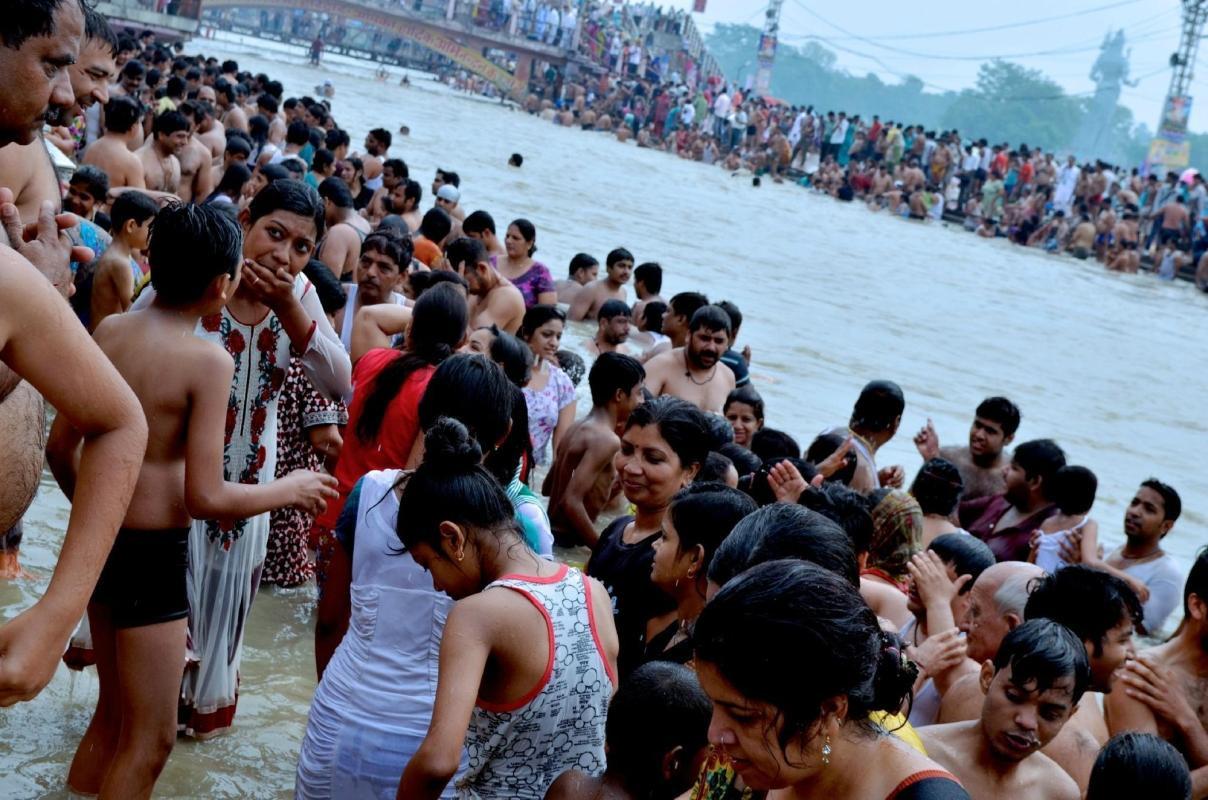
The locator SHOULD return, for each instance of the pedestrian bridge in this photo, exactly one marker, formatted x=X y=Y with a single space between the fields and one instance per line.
x=453 y=29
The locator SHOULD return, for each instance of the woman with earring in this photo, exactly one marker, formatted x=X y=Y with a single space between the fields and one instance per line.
x=696 y=522
x=795 y=663
x=664 y=444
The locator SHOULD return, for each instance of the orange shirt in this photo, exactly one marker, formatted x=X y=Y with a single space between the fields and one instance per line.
x=426 y=250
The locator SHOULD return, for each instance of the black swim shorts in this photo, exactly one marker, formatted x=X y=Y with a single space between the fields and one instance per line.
x=143 y=582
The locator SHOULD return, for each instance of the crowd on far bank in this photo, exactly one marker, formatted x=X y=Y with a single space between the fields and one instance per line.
x=1032 y=197
x=277 y=358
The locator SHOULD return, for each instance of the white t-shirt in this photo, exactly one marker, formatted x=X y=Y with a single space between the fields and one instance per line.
x=721 y=106
x=840 y=132
x=1165 y=582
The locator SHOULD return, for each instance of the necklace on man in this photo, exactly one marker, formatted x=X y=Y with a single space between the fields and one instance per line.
x=688 y=372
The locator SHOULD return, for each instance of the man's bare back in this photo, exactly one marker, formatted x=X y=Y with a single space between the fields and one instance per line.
x=502 y=306
x=125 y=169
x=587 y=302
x=582 y=477
x=112 y=287
x=1077 y=746
x=958 y=748
x=668 y=373
x=196 y=179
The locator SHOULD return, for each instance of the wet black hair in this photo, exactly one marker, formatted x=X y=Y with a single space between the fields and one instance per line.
x=464 y=250
x=28 y=19
x=134 y=206
x=1041 y=652
x=610 y=309
x=452 y=485
x=618 y=254
x=794 y=635
x=572 y=364
x=297 y=133
x=396 y=225
x=537 y=316
x=651 y=276
x=686 y=304
x=681 y=424
x=435 y=225
x=581 y=261
x=845 y=507
x=237 y=143
x=505 y=461
x=1197 y=581
x=1137 y=764
x=413 y=191
x=1088 y=601
x=383 y=136
x=652 y=316
x=938 y=487
x=390 y=244
x=968 y=555
x=336 y=191
x=335 y=138
x=612 y=373
x=446 y=176
x=322 y=159
x=792 y=531
x=93 y=180
x=327 y=285
x=659 y=707
x=170 y=122
x=515 y=160
x=711 y=318
x=121 y=114
x=747 y=396
x=1074 y=489
x=98 y=29
x=733 y=313
x=745 y=462
x=422 y=281
x=720 y=430
x=291 y=196
x=1040 y=458
x=398 y=167
x=474 y=390
x=704 y=514
x=1002 y=411
x=190 y=246
x=715 y=468
x=879 y=405
x=438 y=324
x=277 y=172
x=512 y=354
x=477 y=222
x=1172 y=504
x=772 y=445
x=527 y=231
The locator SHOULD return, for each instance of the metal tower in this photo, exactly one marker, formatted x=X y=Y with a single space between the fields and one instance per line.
x=1170 y=148
x=766 y=54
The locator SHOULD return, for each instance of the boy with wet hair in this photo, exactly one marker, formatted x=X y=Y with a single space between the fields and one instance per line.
x=618 y=269
x=655 y=737
x=140 y=606
x=582 y=271
x=109 y=285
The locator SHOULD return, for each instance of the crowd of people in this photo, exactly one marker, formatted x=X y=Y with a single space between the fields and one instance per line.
x=1032 y=197
x=301 y=369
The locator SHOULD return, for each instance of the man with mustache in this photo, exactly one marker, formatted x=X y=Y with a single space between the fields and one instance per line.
x=1032 y=688
x=695 y=371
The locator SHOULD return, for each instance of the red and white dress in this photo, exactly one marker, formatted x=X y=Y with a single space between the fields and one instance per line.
x=517 y=750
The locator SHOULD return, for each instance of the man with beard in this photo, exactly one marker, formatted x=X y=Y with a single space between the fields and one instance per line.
x=612 y=331
x=493 y=299
x=379 y=273
x=981 y=462
x=1032 y=688
x=160 y=155
x=694 y=372
x=1166 y=686
x=1102 y=611
x=27 y=169
x=1007 y=521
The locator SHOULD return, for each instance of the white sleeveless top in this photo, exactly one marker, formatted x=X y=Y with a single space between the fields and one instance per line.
x=350 y=313
x=516 y=751
x=1048 y=547
x=388 y=661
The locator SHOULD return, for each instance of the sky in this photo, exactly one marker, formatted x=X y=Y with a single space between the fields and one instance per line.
x=879 y=36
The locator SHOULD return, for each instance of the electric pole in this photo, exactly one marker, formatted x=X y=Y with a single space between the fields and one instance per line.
x=766 y=54
x=1169 y=149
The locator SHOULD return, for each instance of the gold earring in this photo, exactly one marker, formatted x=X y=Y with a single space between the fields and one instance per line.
x=826 y=751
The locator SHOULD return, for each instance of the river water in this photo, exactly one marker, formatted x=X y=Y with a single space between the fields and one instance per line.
x=833 y=296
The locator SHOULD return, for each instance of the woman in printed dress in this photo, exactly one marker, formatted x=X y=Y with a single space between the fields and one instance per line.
x=274 y=315
x=532 y=278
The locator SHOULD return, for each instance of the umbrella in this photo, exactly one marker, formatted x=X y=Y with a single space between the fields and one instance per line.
x=1188 y=176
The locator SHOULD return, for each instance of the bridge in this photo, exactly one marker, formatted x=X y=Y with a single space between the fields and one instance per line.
x=448 y=28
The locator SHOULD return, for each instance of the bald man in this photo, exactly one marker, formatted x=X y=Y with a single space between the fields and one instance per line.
x=996 y=607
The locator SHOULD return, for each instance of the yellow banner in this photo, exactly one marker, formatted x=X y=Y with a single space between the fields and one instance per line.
x=420 y=33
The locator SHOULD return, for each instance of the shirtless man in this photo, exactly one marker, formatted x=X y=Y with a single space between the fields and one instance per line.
x=112 y=283
x=377 y=144
x=493 y=299
x=1082 y=238
x=995 y=608
x=618 y=268
x=160 y=154
x=1175 y=221
x=233 y=117
x=1032 y=688
x=582 y=480
x=981 y=462
x=583 y=270
x=209 y=131
x=393 y=175
x=481 y=226
x=238 y=151
x=612 y=330
x=647 y=283
x=913 y=179
x=114 y=151
x=383 y=259
x=1102 y=611
x=346 y=230
x=196 y=159
x=875 y=419
x=695 y=371
x=1166 y=687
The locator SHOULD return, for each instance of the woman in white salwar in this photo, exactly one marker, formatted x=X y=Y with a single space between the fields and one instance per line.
x=275 y=313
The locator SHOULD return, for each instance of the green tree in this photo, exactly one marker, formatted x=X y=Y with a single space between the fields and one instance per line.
x=1017 y=105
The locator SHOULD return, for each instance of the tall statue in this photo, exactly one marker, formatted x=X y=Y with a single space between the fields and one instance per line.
x=1109 y=73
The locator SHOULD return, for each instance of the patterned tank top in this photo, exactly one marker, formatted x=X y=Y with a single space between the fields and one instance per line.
x=517 y=750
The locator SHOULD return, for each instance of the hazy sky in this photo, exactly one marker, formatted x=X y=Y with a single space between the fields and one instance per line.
x=1064 y=49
